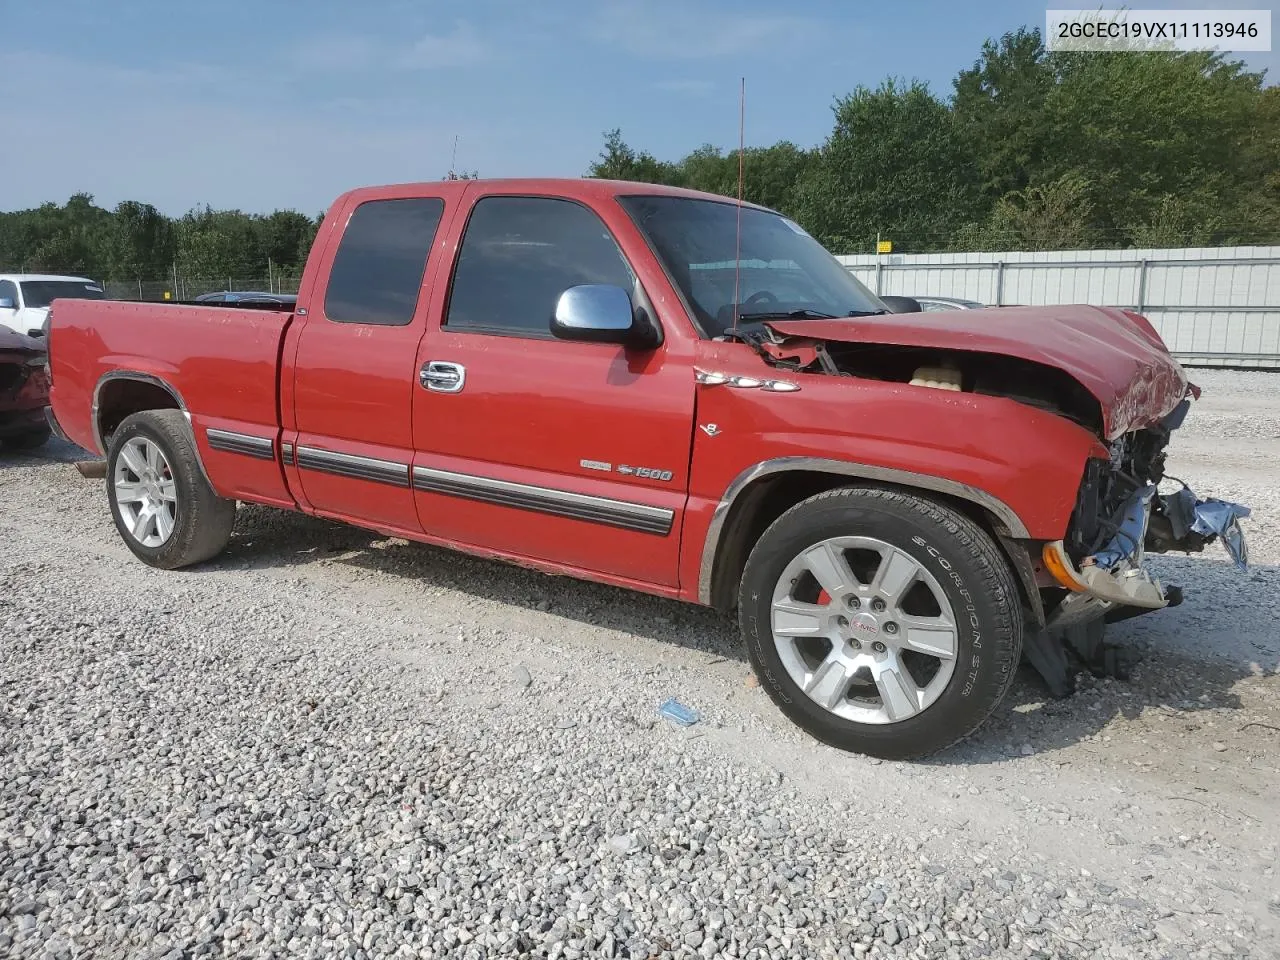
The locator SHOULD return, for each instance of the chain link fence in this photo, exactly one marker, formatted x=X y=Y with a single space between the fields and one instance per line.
x=180 y=287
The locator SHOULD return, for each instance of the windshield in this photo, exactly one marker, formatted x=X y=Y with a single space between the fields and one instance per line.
x=783 y=271
x=41 y=293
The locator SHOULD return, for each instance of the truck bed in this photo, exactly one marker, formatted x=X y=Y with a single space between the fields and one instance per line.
x=221 y=363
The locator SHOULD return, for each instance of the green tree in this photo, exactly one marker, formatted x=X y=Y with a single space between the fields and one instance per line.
x=999 y=106
x=896 y=165
x=1146 y=126
x=218 y=246
x=280 y=237
x=618 y=161
x=139 y=241
x=67 y=239
x=1050 y=216
x=774 y=175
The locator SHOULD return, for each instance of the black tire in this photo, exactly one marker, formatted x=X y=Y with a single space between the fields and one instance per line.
x=202 y=520
x=29 y=440
x=964 y=562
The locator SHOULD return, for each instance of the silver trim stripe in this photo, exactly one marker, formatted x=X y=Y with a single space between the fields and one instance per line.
x=260 y=448
x=357 y=468
x=286 y=454
x=576 y=506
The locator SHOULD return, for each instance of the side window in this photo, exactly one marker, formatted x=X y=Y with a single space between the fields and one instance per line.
x=519 y=254
x=377 y=271
x=9 y=290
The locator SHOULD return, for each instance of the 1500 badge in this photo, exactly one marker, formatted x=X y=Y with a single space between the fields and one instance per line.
x=645 y=473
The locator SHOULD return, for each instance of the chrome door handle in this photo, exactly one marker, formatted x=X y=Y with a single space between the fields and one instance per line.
x=442 y=376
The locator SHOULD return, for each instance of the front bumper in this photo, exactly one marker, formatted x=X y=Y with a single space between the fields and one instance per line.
x=14 y=423
x=1117 y=572
x=1126 y=584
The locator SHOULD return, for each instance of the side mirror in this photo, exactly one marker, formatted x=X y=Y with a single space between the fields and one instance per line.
x=901 y=304
x=6 y=303
x=601 y=313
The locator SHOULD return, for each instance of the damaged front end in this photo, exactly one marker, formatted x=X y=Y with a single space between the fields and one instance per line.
x=1127 y=506
x=1121 y=515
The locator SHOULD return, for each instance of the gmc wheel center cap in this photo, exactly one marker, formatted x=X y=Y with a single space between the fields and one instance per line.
x=864 y=625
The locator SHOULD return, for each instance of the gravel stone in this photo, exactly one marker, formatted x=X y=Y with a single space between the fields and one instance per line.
x=624 y=843
x=290 y=752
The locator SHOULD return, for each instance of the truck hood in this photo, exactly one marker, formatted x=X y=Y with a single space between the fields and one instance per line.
x=1116 y=355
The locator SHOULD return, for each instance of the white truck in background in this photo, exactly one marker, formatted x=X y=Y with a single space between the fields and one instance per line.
x=25 y=298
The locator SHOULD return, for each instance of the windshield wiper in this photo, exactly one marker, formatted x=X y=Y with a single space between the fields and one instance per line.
x=788 y=315
x=807 y=314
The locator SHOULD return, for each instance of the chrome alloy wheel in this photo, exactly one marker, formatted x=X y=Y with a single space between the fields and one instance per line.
x=146 y=494
x=864 y=630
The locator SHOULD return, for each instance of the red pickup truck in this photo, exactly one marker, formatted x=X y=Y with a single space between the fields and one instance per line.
x=665 y=391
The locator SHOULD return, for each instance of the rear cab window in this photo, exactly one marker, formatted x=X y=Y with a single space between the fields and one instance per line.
x=377 y=272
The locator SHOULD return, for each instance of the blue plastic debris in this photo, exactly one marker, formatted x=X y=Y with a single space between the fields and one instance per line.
x=674 y=710
x=1223 y=518
x=1131 y=531
x=1180 y=508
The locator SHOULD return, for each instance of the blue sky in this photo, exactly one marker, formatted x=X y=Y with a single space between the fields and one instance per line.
x=263 y=105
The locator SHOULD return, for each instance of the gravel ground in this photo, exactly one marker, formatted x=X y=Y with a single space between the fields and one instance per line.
x=332 y=744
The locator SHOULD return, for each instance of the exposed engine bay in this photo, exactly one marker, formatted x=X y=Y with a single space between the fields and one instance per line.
x=1120 y=513
x=1127 y=505
x=1035 y=384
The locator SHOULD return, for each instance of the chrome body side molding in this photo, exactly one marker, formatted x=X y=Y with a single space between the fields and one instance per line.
x=577 y=506
x=348 y=465
x=228 y=441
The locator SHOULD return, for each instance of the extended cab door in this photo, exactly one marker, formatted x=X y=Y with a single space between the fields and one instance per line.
x=565 y=452
x=348 y=436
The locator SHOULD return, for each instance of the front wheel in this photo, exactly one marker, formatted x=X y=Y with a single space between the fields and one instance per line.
x=163 y=506
x=880 y=621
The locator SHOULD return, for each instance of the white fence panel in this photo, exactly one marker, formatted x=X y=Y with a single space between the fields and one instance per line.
x=1215 y=306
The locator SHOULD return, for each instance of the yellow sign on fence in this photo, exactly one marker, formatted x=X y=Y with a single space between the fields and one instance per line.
x=168 y=295
x=884 y=246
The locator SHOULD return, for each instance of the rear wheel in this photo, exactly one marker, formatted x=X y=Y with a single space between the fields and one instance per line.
x=880 y=621
x=163 y=506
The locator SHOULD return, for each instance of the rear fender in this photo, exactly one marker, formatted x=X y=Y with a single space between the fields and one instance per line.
x=137 y=376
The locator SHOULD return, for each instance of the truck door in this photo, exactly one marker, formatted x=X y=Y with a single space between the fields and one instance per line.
x=566 y=452
x=353 y=370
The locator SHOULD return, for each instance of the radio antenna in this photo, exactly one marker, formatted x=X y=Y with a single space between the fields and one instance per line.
x=737 y=242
